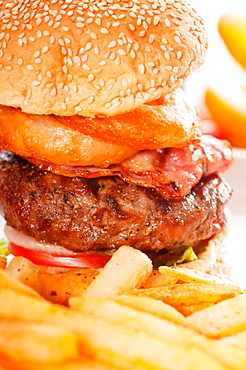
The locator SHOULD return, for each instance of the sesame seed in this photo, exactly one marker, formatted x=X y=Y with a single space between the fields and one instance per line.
x=53 y=92
x=177 y=39
x=36 y=83
x=90 y=99
x=104 y=31
x=167 y=55
x=76 y=60
x=84 y=58
x=179 y=54
x=45 y=49
x=91 y=77
x=88 y=46
x=121 y=52
x=86 y=67
x=29 y=67
x=96 y=50
x=141 y=68
x=112 y=44
x=65 y=69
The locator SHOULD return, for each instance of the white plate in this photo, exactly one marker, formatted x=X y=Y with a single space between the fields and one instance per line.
x=236 y=240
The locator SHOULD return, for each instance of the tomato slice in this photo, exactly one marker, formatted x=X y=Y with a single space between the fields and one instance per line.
x=95 y=261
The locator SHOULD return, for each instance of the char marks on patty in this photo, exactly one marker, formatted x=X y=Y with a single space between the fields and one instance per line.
x=84 y=214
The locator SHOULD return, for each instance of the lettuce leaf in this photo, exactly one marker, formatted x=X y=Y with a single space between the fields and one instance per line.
x=4 y=250
x=188 y=256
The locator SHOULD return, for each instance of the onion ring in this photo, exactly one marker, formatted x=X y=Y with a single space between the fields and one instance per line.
x=170 y=121
x=46 y=138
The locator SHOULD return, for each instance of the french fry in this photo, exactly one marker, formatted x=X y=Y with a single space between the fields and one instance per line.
x=187 y=294
x=127 y=269
x=57 y=288
x=192 y=275
x=7 y=281
x=153 y=306
x=82 y=364
x=112 y=344
x=238 y=340
x=3 y=262
x=163 y=330
x=28 y=341
x=25 y=271
x=224 y=318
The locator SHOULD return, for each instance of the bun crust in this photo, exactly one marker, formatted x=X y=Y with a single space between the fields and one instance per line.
x=213 y=259
x=95 y=57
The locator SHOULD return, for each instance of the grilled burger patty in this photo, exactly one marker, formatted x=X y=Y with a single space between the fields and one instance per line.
x=85 y=214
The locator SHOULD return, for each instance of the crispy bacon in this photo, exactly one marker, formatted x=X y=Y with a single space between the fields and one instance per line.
x=171 y=171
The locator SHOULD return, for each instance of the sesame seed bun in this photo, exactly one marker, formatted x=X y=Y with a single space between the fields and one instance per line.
x=100 y=58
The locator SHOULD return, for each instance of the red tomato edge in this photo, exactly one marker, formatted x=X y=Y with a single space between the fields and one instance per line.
x=48 y=259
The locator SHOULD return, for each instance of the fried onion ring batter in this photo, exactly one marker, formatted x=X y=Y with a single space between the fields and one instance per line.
x=170 y=121
x=46 y=138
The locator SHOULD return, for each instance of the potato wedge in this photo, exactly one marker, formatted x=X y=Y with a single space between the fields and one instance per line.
x=113 y=344
x=187 y=310
x=187 y=294
x=158 y=279
x=224 y=318
x=57 y=288
x=127 y=269
x=3 y=262
x=192 y=275
x=25 y=271
x=117 y=314
x=153 y=306
x=7 y=281
x=29 y=341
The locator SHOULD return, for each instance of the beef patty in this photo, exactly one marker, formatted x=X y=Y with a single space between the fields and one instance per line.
x=84 y=214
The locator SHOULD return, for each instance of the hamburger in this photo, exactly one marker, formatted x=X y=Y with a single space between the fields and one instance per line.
x=101 y=147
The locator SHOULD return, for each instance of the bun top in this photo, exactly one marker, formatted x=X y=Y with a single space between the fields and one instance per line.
x=95 y=57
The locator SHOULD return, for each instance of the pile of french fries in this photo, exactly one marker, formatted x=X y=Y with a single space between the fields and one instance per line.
x=125 y=316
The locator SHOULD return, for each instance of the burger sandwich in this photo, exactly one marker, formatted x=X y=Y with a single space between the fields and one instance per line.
x=100 y=146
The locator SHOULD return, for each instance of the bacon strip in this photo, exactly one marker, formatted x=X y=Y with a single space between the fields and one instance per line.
x=171 y=171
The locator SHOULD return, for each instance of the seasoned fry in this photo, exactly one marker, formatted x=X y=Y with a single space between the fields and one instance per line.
x=113 y=344
x=153 y=306
x=225 y=318
x=3 y=262
x=127 y=269
x=37 y=342
x=179 y=295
